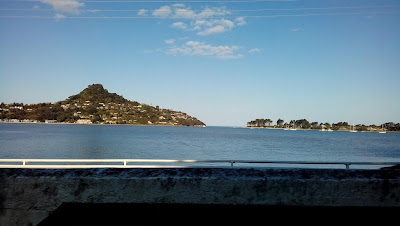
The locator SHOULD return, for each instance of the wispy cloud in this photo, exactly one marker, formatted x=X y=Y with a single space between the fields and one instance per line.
x=179 y=25
x=169 y=41
x=240 y=21
x=184 y=13
x=59 y=16
x=194 y=48
x=214 y=26
x=66 y=6
x=213 y=30
x=203 y=22
x=142 y=12
x=163 y=11
x=255 y=50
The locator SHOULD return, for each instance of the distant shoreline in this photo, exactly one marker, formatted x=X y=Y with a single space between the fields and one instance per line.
x=94 y=124
x=243 y=127
x=358 y=131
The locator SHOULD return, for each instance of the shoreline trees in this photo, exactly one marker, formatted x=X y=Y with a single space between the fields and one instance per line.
x=305 y=124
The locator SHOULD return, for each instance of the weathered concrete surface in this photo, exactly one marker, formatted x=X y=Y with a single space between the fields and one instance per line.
x=27 y=196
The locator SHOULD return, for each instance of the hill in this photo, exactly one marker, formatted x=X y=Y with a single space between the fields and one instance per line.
x=97 y=94
x=96 y=105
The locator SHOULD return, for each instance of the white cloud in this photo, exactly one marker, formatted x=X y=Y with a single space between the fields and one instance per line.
x=212 y=30
x=207 y=13
x=169 y=41
x=185 y=13
x=255 y=50
x=212 y=26
x=179 y=25
x=240 y=21
x=209 y=27
x=179 y=51
x=198 y=24
x=201 y=21
x=226 y=23
x=142 y=12
x=67 y=6
x=163 y=11
x=194 y=48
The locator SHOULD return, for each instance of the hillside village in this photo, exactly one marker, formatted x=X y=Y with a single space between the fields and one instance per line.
x=95 y=105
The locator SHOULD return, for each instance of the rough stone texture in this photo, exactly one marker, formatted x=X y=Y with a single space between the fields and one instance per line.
x=27 y=196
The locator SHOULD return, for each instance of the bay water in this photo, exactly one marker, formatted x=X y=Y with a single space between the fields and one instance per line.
x=62 y=141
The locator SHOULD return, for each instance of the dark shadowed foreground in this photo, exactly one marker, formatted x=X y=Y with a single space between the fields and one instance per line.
x=212 y=214
x=187 y=196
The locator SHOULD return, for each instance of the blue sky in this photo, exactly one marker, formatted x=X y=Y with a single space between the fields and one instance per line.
x=224 y=63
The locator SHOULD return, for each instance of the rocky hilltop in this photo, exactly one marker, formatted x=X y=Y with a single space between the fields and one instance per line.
x=96 y=105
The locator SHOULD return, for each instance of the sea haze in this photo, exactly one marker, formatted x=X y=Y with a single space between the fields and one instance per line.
x=56 y=141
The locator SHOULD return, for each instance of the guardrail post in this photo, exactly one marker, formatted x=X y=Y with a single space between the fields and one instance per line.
x=232 y=163
x=23 y=162
x=124 y=162
x=347 y=165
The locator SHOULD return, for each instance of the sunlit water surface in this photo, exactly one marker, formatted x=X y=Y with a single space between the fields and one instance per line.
x=58 y=141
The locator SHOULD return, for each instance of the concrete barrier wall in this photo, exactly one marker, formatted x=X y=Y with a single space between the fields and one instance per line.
x=27 y=196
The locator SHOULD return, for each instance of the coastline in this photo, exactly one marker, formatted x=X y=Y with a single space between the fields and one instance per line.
x=341 y=130
x=97 y=124
x=201 y=126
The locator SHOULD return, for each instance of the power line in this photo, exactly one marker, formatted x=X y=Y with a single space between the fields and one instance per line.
x=230 y=10
x=195 y=1
x=167 y=1
x=246 y=16
x=315 y=8
x=321 y=14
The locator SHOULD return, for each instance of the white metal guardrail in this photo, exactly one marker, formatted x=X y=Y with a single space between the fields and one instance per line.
x=159 y=163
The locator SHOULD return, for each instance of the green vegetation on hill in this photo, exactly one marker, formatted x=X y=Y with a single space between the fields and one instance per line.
x=96 y=94
x=96 y=105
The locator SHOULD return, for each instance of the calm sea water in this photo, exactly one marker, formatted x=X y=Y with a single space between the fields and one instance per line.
x=222 y=143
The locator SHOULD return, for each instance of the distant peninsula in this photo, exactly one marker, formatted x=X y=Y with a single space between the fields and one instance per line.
x=95 y=105
x=304 y=124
